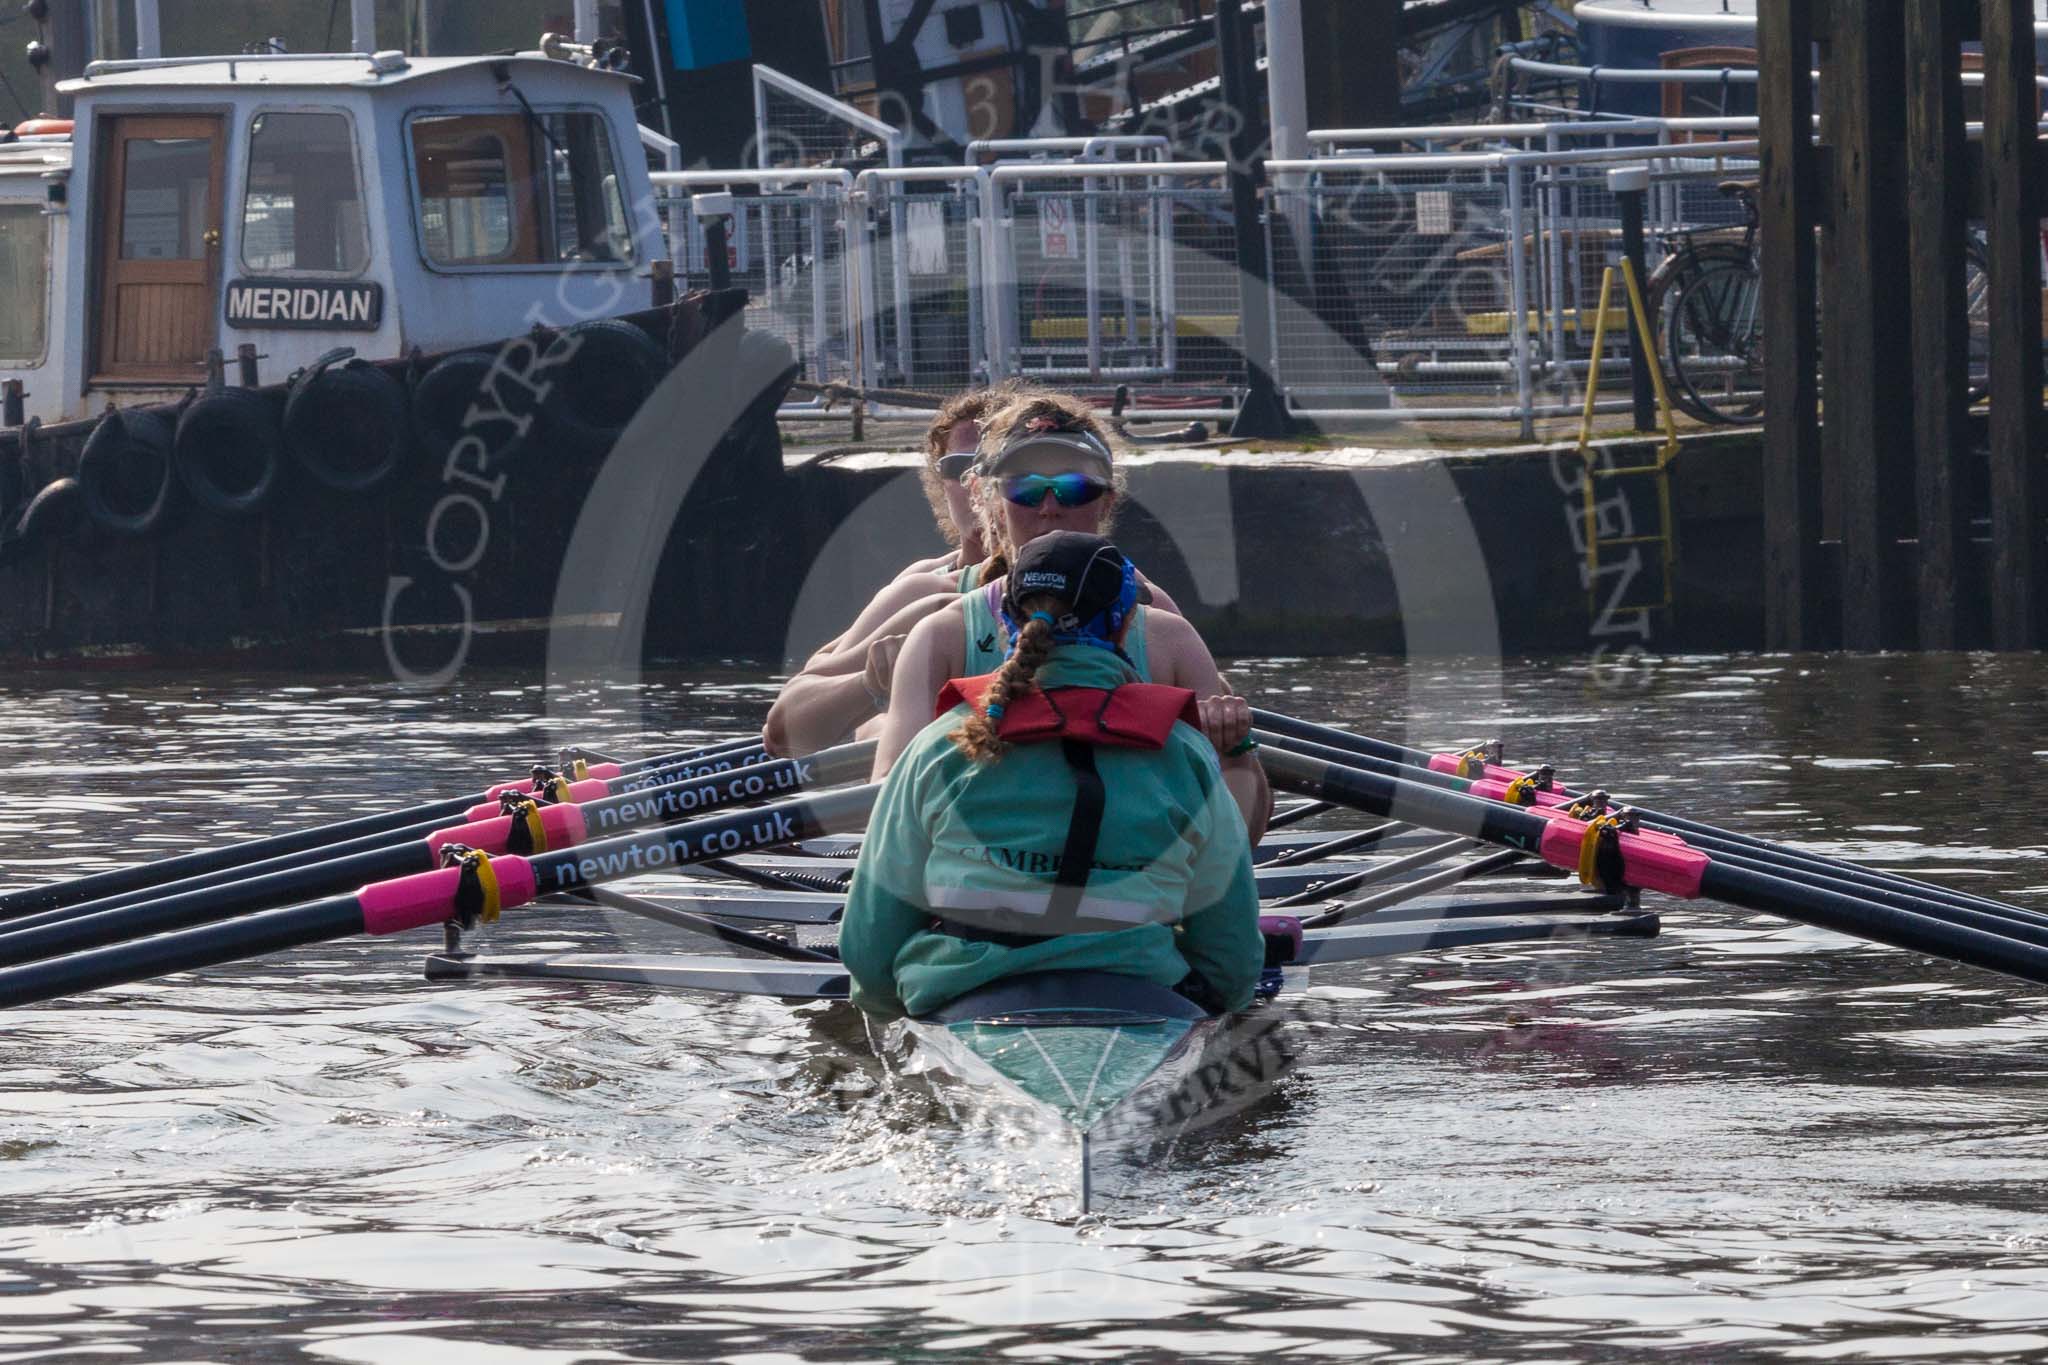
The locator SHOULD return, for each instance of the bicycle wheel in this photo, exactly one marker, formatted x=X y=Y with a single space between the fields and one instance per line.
x=1713 y=338
x=1977 y=294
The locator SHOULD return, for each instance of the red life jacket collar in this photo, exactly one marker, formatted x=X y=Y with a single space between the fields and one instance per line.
x=1134 y=715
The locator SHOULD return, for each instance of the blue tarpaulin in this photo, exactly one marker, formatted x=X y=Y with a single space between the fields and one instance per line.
x=705 y=33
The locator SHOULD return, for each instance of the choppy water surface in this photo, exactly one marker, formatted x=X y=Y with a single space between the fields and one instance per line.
x=1746 y=1139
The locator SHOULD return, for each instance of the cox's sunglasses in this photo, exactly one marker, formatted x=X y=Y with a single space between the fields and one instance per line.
x=1072 y=489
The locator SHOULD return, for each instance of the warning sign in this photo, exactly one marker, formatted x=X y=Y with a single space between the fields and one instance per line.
x=1056 y=230
x=927 y=226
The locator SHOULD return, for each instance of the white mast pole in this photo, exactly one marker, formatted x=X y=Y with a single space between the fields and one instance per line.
x=1287 y=99
x=362 y=25
x=149 y=32
x=586 y=21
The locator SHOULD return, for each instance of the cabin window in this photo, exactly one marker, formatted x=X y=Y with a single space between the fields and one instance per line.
x=519 y=189
x=303 y=209
x=24 y=280
x=1709 y=99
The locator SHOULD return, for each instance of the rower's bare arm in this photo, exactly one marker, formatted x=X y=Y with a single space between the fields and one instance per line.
x=882 y=616
x=830 y=697
x=930 y=655
x=1181 y=658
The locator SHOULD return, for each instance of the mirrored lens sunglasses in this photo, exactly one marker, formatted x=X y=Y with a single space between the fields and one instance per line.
x=1072 y=489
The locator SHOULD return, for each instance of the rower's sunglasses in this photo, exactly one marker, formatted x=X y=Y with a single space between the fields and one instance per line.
x=1072 y=489
x=956 y=465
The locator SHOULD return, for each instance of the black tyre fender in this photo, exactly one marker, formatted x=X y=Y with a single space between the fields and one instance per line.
x=56 y=510
x=764 y=367
x=126 y=474
x=229 y=452
x=348 y=426
x=506 y=418
x=599 y=372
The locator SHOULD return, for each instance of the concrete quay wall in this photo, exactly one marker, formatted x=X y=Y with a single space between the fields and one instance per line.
x=1423 y=551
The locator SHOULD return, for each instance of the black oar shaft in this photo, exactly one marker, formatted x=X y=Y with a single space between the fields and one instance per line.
x=1896 y=889
x=120 y=880
x=320 y=872
x=395 y=906
x=71 y=933
x=1514 y=827
x=250 y=936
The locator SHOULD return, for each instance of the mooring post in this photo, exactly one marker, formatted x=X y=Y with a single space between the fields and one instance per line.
x=662 y=276
x=12 y=403
x=1630 y=187
x=1866 y=439
x=1936 y=213
x=2012 y=215
x=245 y=363
x=1789 y=204
x=1262 y=413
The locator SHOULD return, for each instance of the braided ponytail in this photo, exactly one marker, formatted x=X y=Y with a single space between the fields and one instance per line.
x=976 y=736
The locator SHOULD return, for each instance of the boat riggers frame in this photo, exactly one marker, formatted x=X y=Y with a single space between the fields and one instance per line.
x=1539 y=788
x=527 y=828
x=1603 y=852
x=546 y=781
x=476 y=885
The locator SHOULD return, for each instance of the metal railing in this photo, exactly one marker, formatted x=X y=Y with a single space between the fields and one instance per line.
x=795 y=125
x=1437 y=285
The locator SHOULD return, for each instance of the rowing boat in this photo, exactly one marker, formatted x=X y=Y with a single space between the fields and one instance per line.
x=1108 y=1063
x=1093 y=1059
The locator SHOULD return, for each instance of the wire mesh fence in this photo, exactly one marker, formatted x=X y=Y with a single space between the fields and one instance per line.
x=1441 y=285
x=923 y=275
x=796 y=126
x=1129 y=279
x=787 y=246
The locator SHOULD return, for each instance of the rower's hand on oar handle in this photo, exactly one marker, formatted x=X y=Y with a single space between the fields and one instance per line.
x=881 y=668
x=1227 y=721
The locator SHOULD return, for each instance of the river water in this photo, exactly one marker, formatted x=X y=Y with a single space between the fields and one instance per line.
x=1743 y=1139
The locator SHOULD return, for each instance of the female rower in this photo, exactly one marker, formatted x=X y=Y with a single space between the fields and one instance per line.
x=1061 y=815
x=1044 y=464
x=847 y=680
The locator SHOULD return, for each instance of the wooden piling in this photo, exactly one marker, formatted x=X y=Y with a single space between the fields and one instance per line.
x=1866 y=391
x=2012 y=212
x=1937 y=211
x=1789 y=206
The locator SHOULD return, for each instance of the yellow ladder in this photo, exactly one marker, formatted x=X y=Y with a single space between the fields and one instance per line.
x=1666 y=537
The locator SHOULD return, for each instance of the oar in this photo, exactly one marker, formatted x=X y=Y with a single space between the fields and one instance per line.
x=484 y=886
x=687 y=786
x=560 y=826
x=1759 y=854
x=117 y=880
x=1654 y=862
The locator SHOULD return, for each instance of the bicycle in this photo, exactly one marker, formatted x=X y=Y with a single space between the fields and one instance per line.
x=1705 y=300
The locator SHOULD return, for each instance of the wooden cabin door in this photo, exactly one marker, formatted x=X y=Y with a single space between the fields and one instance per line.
x=159 y=248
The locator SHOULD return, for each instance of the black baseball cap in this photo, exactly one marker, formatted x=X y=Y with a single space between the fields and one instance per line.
x=1076 y=567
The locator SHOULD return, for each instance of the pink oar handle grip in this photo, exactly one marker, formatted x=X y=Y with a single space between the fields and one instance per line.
x=1450 y=763
x=562 y=824
x=1654 y=862
x=588 y=790
x=429 y=897
x=596 y=770
x=1495 y=789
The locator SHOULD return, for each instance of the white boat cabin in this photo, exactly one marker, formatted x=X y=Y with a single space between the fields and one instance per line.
x=299 y=203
